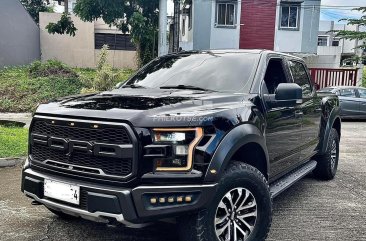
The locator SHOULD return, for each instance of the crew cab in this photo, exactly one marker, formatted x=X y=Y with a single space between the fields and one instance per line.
x=204 y=138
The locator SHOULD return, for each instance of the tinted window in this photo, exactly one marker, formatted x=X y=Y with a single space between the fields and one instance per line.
x=348 y=92
x=228 y=72
x=362 y=93
x=301 y=77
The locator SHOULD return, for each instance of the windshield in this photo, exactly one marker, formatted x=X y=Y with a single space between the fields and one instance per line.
x=229 y=72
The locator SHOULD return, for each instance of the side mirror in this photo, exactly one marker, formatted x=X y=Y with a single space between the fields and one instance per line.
x=288 y=92
x=286 y=95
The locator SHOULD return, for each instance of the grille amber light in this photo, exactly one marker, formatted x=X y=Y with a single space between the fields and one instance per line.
x=188 y=199
x=179 y=199
x=192 y=145
x=153 y=200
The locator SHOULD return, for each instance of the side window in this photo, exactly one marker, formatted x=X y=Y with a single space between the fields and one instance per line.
x=300 y=76
x=362 y=93
x=275 y=74
x=348 y=93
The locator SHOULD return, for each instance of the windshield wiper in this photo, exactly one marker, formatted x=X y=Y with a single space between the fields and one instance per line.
x=134 y=86
x=184 y=87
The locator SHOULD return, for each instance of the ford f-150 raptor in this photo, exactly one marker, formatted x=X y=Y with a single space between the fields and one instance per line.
x=204 y=138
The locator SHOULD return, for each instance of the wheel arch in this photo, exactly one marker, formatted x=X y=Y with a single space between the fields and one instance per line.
x=334 y=121
x=241 y=144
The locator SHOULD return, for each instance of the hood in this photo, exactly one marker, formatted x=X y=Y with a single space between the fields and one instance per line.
x=151 y=107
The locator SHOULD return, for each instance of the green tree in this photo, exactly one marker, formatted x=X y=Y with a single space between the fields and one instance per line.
x=356 y=35
x=137 y=17
x=34 y=7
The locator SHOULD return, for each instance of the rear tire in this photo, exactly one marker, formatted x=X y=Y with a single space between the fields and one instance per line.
x=250 y=217
x=328 y=162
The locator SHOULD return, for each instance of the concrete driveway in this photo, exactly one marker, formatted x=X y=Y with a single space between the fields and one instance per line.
x=310 y=210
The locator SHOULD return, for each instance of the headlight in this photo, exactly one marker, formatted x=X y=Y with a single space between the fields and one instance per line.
x=183 y=141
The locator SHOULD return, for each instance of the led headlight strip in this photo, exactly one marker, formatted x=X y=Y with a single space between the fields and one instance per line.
x=192 y=145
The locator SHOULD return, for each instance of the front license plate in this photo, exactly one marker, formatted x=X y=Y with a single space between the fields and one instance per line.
x=62 y=191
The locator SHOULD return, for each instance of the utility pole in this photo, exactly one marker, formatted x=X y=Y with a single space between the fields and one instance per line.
x=163 y=22
x=176 y=25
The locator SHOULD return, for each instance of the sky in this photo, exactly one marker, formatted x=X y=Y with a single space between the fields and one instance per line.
x=341 y=9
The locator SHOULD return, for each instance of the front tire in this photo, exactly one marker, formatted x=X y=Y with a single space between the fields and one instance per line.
x=241 y=209
x=327 y=166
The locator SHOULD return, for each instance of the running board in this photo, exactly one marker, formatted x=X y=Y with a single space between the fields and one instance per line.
x=288 y=180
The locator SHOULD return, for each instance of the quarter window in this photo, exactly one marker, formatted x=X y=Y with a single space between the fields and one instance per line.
x=301 y=77
x=290 y=17
x=225 y=13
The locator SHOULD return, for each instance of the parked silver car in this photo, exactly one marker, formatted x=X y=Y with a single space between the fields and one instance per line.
x=352 y=100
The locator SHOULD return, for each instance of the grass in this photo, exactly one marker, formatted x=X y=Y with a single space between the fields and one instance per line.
x=13 y=141
x=21 y=91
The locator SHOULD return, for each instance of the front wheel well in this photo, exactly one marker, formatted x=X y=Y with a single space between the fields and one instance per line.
x=254 y=155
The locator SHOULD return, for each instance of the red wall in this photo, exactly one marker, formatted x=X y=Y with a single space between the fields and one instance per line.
x=258 y=20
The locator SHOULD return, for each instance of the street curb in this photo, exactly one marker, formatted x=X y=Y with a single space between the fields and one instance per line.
x=11 y=162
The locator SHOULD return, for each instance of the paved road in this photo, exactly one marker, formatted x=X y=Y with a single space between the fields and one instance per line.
x=310 y=210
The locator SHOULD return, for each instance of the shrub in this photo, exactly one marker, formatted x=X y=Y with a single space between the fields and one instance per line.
x=51 y=68
x=106 y=78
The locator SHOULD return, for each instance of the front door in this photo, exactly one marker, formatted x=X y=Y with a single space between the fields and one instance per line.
x=283 y=123
x=350 y=106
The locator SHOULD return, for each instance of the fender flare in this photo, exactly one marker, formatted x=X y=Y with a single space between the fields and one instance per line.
x=332 y=118
x=232 y=142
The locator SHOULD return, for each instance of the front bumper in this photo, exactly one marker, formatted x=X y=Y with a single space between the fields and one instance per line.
x=131 y=207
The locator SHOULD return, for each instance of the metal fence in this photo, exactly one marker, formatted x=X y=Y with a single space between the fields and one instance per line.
x=334 y=77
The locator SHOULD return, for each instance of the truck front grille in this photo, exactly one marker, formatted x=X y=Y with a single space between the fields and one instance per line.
x=113 y=157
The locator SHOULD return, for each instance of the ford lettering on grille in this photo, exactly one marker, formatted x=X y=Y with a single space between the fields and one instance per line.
x=68 y=146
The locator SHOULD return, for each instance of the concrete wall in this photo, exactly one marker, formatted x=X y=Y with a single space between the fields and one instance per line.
x=202 y=24
x=79 y=51
x=19 y=35
x=303 y=40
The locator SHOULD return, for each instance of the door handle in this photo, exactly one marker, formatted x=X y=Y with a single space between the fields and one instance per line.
x=298 y=114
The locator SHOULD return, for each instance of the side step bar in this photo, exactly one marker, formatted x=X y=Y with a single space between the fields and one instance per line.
x=288 y=180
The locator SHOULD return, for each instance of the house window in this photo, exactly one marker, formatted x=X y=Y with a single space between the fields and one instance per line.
x=184 y=27
x=226 y=13
x=114 y=41
x=290 y=17
x=323 y=41
x=335 y=42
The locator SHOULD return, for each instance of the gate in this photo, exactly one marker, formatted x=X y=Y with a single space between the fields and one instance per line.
x=334 y=77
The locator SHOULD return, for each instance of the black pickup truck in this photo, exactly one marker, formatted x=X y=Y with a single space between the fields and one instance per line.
x=205 y=139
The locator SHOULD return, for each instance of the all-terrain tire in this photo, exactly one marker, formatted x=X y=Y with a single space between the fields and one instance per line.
x=201 y=226
x=328 y=162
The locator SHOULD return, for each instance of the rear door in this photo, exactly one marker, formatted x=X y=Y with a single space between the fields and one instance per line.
x=310 y=109
x=350 y=106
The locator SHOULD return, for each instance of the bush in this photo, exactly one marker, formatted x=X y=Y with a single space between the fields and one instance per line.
x=20 y=93
x=106 y=78
x=364 y=77
x=51 y=68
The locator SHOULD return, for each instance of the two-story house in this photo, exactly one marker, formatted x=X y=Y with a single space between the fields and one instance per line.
x=335 y=52
x=281 y=25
